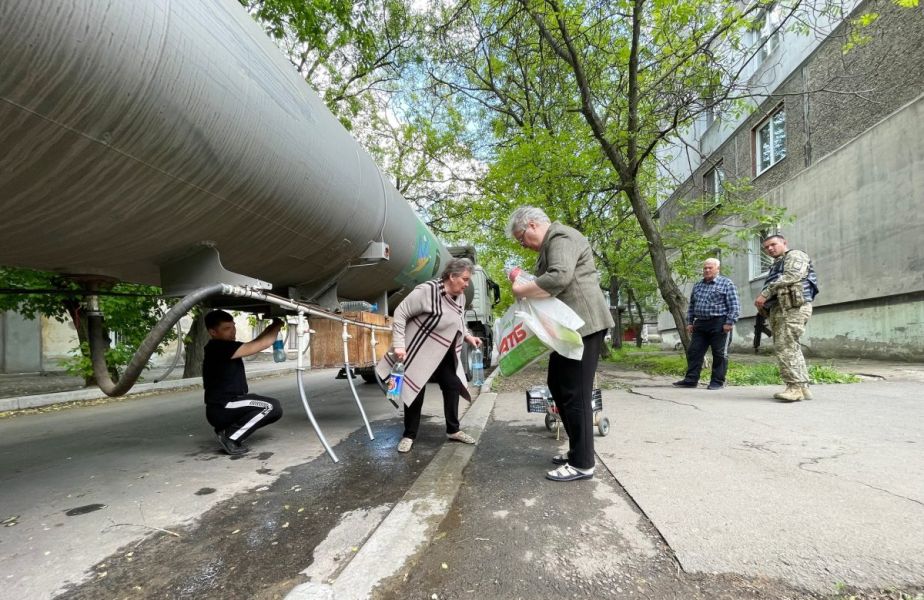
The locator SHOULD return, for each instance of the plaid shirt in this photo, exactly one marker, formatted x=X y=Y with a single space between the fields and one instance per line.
x=716 y=298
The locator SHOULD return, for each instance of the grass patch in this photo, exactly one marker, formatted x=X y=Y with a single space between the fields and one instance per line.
x=657 y=362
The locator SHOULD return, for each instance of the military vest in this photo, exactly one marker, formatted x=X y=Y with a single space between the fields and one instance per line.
x=809 y=284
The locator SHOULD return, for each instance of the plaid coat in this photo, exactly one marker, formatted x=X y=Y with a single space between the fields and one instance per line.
x=426 y=324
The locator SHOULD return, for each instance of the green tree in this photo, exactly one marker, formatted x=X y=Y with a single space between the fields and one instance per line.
x=131 y=311
x=618 y=79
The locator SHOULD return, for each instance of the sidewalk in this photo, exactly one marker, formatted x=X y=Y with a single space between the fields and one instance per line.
x=697 y=494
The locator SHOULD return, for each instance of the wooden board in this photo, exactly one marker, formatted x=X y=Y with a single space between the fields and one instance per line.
x=327 y=341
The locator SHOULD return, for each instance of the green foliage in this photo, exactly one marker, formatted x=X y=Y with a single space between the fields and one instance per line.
x=674 y=364
x=845 y=592
x=32 y=305
x=130 y=317
x=345 y=49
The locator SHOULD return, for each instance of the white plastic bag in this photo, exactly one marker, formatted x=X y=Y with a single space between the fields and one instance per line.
x=531 y=327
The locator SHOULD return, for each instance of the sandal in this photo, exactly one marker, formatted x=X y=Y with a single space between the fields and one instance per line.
x=405 y=445
x=560 y=459
x=569 y=473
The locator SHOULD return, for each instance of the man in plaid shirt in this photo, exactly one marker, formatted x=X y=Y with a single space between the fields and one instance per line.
x=711 y=316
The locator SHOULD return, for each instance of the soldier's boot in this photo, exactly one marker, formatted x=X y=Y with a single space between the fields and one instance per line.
x=792 y=393
x=806 y=393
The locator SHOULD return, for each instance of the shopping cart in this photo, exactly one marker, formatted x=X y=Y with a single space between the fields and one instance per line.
x=539 y=400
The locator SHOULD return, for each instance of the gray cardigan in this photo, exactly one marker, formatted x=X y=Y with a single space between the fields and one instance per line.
x=566 y=270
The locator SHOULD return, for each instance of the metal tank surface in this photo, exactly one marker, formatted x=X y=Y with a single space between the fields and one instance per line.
x=131 y=132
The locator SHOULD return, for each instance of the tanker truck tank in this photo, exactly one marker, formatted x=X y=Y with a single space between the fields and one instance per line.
x=132 y=132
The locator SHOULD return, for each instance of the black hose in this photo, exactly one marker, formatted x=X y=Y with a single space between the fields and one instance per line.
x=99 y=343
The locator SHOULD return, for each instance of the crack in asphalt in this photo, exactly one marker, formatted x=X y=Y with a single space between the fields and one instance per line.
x=816 y=460
x=649 y=396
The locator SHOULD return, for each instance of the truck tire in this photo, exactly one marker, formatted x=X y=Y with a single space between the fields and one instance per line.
x=466 y=360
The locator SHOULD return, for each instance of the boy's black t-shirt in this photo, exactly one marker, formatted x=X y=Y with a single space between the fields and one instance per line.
x=223 y=377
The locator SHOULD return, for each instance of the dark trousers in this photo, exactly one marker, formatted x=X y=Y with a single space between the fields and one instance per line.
x=243 y=415
x=445 y=376
x=571 y=383
x=708 y=333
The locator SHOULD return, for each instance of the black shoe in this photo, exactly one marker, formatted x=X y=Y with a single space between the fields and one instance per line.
x=715 y=386
x=232 y=447
x=569 y=473
x=685 y=383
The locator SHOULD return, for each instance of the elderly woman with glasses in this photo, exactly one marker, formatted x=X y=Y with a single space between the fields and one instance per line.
x=427 y=335
x=565 y=270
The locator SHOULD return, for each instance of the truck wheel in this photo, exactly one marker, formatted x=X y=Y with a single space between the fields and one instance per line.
x=604 y=426
x=466 y=360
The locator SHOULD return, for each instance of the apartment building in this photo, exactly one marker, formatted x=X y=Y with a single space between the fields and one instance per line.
x=835 y=137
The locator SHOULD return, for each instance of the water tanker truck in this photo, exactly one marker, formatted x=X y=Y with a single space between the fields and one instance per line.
x=171 y=143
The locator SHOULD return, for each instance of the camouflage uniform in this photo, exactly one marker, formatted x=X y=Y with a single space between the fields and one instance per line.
x=790 y=288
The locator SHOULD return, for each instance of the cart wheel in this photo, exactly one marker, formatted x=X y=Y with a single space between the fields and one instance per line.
x=549 y=421
x=604 y=426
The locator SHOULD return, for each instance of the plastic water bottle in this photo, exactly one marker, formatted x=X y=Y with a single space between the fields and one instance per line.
x=279 y=351
x=358 y=306
x=395 y=383
x=477 y=367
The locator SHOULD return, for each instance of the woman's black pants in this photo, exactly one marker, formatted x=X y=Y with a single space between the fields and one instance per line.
x=445 y=376
x=571 y=383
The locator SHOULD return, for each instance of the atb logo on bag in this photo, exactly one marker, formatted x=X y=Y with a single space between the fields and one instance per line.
x=516 y=335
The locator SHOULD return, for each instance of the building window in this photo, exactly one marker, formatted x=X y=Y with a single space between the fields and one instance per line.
x=713 y=188
x=766 y=34
x=758 y=261
x=770 y=141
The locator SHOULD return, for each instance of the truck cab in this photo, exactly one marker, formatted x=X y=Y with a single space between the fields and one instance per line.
x=481 y=297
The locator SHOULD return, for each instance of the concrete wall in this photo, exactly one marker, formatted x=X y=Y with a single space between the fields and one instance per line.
x=20 y=344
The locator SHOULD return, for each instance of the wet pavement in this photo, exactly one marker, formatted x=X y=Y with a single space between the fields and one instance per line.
x=255 y=544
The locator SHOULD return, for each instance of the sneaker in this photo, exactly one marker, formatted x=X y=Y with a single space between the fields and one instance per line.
x=560 y=459
x=405 y=445
x=232 y=447
x=569 y=473
x=685 y=383
x=461 y=436
x=715 y=386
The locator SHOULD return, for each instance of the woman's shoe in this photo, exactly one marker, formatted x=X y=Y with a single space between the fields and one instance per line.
x=461 y=436
x=405 y=445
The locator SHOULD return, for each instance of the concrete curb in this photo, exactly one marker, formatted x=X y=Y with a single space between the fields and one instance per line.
x=36 y=400
x=412 y=522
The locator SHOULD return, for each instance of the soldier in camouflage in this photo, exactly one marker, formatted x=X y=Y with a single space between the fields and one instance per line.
x=787 y=296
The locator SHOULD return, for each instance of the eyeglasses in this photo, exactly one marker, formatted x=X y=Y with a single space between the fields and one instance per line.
x=521 y=238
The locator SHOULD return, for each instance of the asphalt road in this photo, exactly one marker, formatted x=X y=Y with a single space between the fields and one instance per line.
x=83 y=486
